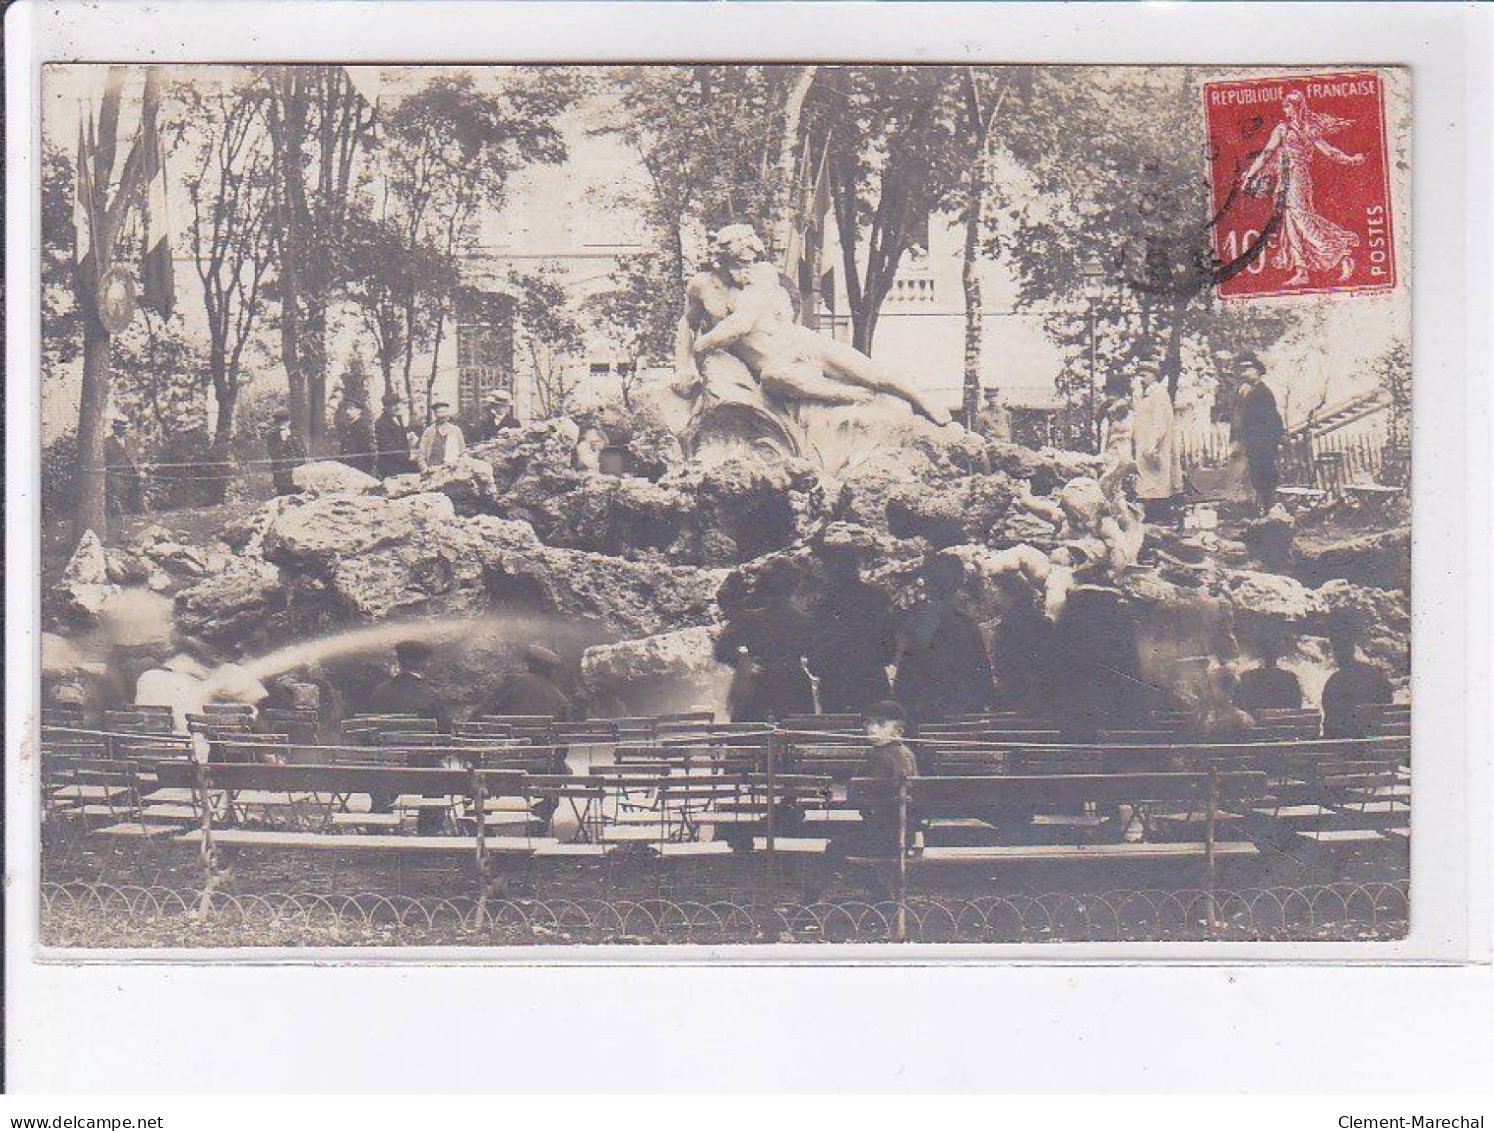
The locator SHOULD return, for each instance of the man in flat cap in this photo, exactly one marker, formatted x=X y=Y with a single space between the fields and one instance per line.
x=534 y=690
x=392 y=438
x=355 y=436
x=442 y=442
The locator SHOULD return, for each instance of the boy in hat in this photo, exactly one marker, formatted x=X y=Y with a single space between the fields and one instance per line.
x=442 y=442
x=889 y=760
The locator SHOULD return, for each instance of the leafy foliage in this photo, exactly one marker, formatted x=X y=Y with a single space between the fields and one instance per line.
x=230 y=183
x=550 y=331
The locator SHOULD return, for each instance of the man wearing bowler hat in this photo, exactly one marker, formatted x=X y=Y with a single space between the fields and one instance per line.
x=286 y=453
x=392 y=439
x=497 y=416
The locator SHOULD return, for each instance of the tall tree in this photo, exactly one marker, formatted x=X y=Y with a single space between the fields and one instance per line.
x=1111 y=180
x=890 y=131
x=61 y=314
x=984 y=91
x=552 y=335
x=446 y=156
x=230 y=183
x=103 y=215
x=719 y=145
x=320 y=127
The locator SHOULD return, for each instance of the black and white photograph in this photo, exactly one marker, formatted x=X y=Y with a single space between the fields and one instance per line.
x=773 y=504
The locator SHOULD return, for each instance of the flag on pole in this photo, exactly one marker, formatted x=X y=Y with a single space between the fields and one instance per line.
x=83 y=199
x=808 y=239
x=367 y=81
x=158 y=289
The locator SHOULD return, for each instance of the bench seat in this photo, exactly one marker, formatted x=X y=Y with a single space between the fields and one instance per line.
x=353 y=842
x=95 y=810
x=793 y=845
x=1305 y=812
x=90 y=792
x=1018 y=853
x=1389 y=807
x=1340 y=836
x=137 y=829
x=367 y=820
x=832 y=818
x=632 y=834
x=732 y=817
x=573 y=851
x=690 y=849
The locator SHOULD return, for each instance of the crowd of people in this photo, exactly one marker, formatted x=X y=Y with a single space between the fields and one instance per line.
x=387 y=446
x=838 y=645
x=192 y=470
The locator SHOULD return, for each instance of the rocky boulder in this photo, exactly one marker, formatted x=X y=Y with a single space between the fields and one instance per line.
x=345 y=559
x=744 y=507
x=949 y=514
x=1385 y=617
x=1270 y=538
x=625 y=515
x=468 y=482
x=230 y=605
x=328 y=477
x=319 y=533
x=1381 y=558
x=84 y=587
x=126 y=568
x=672 y=671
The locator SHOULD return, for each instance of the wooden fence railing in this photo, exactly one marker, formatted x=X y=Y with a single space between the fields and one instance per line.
x=1328 y=462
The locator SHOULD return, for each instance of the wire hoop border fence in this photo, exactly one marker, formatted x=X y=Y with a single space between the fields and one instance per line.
x=216 y=917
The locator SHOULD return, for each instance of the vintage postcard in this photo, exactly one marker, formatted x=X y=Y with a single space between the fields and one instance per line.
x=515 y=506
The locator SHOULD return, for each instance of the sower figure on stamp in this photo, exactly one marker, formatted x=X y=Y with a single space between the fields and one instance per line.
x=1309 y=240
x=740 y=307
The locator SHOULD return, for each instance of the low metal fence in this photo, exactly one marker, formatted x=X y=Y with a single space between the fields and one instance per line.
x=100 y=915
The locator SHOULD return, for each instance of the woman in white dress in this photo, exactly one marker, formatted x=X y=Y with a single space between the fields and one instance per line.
x=1154 y=431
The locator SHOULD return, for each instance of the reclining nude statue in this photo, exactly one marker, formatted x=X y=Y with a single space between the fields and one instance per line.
x=745 y=361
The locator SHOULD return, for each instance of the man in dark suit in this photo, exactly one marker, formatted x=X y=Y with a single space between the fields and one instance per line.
x=286 y=454
x=1259 y=429
x=392 y=439
x=408 y=693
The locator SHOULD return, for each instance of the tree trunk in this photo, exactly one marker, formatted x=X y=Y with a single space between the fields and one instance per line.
x=783 y=196
x=228 y=403
x=313 y=348
x=435 y=350
x=1172 y=363
x=974 y=325
x=93 y=407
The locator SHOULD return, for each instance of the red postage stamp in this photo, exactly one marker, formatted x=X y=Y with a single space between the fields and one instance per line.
x=1299 y=173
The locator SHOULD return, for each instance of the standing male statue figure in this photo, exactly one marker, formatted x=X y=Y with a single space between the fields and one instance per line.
x=740 y=308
